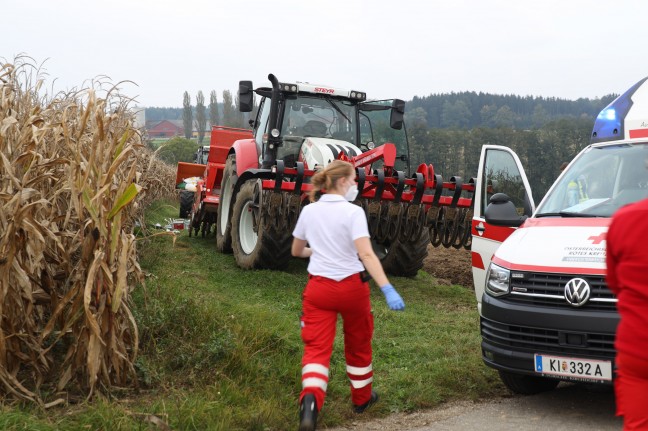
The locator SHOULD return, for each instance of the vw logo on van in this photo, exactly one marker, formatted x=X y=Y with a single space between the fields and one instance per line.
x=577 y=292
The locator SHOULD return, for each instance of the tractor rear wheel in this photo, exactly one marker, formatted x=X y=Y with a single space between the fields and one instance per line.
x=256 y=245
x=404 y=259
x=186 y=202
x=224 y=219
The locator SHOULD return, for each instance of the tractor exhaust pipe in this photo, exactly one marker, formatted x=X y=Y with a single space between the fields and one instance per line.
x=270 y=153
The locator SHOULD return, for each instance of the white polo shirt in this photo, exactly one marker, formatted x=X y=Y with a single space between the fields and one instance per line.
x=330 y=226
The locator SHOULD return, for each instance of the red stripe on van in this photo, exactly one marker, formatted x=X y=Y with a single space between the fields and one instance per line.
x=639 y=133
x=550 y=269
x=477 y=261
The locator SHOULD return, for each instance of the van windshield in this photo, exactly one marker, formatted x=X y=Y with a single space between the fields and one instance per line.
x=599 y=182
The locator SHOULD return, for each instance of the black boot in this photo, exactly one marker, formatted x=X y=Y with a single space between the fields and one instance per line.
x=308 y=413
x=361 y=408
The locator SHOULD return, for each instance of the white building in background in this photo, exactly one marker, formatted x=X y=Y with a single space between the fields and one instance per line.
x=140 y=117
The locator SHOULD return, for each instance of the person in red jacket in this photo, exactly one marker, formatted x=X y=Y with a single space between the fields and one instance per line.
x=627 y=277
x=339 y=249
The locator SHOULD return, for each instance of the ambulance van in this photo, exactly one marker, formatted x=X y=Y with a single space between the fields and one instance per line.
x=546 y=313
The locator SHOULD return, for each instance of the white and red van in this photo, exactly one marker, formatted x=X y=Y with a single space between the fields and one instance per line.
x=546 y=313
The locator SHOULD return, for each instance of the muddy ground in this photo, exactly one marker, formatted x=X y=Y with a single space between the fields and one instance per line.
x=449 y=265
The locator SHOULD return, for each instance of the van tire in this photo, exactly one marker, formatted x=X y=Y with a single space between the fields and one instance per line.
x=527 y=385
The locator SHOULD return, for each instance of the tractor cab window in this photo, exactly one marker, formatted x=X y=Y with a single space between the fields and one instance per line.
x=316 y=117
x=262 y=123
x=374 y=127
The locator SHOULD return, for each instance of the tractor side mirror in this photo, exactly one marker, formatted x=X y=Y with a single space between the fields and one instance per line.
x=397 y=114
x=501 y=212
x=246 y=96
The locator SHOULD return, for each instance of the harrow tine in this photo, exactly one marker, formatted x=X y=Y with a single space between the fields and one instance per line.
x=414 y=219
x=395 y=211
x=299 y=179
x=437 y=226
x=374 y=209
x=281 y=167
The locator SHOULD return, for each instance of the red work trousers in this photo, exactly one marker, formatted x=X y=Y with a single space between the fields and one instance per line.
x=631 y=389
x=322 y=301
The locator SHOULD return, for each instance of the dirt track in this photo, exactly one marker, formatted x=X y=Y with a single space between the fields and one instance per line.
x=449 y=266
x=569 y=408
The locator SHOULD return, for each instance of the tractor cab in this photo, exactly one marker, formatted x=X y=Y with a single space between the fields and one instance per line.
x=313 y=124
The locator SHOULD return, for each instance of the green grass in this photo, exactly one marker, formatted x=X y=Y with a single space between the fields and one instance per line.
x=221 y=349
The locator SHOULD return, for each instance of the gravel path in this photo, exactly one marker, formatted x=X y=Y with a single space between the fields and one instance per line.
x=570 y=407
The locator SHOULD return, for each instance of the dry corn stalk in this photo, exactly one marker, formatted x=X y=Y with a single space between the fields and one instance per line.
x=70 y=178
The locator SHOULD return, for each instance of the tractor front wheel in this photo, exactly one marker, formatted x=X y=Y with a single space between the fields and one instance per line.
x=223 y=219
x=256 y=245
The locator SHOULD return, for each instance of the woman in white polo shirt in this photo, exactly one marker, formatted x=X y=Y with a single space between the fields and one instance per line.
x=339 y=248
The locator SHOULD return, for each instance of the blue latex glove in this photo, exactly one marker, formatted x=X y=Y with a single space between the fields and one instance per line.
x=394 y=300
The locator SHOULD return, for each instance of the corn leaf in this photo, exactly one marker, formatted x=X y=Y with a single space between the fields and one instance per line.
x=126 y=197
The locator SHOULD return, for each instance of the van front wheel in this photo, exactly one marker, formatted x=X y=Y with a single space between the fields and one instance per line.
x=527 y=385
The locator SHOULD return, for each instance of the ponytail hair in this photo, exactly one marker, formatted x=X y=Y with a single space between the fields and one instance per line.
x=327 y=178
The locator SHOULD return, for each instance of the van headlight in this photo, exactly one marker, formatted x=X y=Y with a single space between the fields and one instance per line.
x=498 y=280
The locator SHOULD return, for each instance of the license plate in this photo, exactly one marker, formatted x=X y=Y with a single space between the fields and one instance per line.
x=588 y=370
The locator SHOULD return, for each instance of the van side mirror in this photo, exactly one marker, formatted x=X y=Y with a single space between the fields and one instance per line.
x=397 y=114
x=501 y=212
x=245 y=96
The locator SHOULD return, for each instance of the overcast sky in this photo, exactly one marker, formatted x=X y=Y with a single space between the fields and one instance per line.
x=551 y=48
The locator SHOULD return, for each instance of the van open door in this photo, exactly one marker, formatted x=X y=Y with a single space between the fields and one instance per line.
x=500 y=171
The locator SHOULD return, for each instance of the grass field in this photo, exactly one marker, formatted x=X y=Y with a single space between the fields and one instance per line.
x=220 y=348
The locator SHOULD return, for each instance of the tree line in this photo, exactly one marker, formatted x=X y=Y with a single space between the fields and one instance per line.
x=199 y=116
x=542 y=150
x=470 y=109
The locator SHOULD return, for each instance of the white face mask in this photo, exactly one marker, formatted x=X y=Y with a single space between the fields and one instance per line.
x=352 y=193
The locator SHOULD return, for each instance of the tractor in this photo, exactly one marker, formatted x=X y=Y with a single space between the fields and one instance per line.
x=260 y=183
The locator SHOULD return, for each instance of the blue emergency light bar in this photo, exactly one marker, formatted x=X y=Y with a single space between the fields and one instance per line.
x=609 y=124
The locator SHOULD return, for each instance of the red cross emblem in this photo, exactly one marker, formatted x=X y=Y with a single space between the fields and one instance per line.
x=598 y=239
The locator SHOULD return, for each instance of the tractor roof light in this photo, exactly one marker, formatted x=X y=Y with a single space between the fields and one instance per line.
x=289 y=88
x=358 y=95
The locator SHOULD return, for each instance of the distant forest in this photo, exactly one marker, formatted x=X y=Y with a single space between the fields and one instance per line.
x=448 y=130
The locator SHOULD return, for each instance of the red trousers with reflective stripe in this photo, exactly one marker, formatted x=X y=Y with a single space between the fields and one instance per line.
x=323 y=300
x=631 y=388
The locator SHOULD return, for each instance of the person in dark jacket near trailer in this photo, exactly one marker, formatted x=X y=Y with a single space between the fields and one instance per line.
x=627 y=277
x=336 y=233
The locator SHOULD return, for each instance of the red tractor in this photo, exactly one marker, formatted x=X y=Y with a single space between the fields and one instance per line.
x=260 y=184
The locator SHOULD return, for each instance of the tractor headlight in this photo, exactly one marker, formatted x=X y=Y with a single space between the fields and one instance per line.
x=274 y=133
x=290 y=88
x=358 y=95
x=498 y=280
x=371 y=145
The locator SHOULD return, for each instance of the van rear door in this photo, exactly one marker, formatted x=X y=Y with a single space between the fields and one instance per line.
x=500 y=171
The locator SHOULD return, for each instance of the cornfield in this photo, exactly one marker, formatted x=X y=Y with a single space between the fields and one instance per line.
x=74 y=178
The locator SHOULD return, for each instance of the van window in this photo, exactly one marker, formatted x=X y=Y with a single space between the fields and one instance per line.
x=501 y=175
x=599 y=182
